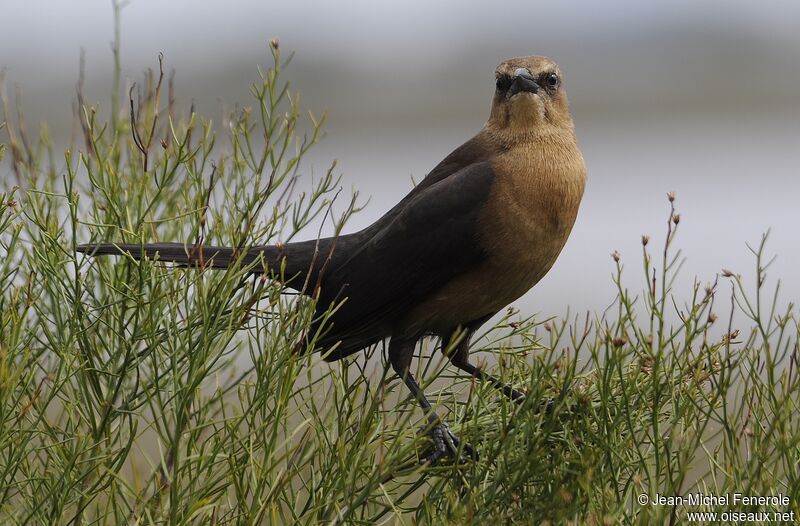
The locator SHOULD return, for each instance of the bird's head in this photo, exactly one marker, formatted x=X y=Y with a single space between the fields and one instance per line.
x=529 y=96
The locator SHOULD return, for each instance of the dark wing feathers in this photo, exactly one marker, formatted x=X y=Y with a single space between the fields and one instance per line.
x=424 y=241
x=429 y=242
x=471 y=152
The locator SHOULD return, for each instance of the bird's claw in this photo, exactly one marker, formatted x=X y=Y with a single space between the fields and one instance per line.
x=445 y=443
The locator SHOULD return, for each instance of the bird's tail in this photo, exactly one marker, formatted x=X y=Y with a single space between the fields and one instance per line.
x=299 y=263
x=181 y=254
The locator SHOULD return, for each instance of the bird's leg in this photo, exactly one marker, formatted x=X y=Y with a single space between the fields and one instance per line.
x=460 y=358
x=444 y=441
x=477 y=372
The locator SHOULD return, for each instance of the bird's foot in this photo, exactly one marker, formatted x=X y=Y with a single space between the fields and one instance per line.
x=445 y=443
x=513 y=394
x=547 y=406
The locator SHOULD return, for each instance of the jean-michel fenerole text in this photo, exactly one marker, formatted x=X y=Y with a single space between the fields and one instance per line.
x=725 y=499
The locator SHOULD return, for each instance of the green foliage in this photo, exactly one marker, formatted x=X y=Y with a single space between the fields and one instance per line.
x=135 y=393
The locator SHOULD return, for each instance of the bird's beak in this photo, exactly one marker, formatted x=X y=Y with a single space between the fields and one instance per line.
x=523 y=81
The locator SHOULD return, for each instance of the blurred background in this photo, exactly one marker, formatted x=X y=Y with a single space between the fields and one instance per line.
x=699 y=98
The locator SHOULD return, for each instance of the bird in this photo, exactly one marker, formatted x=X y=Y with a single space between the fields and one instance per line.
x=476 y=233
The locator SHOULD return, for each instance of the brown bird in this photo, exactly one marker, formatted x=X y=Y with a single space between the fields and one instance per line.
x=482 y=228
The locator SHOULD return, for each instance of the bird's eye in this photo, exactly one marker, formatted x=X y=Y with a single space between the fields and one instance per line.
x=503 y=82
x=552 y=80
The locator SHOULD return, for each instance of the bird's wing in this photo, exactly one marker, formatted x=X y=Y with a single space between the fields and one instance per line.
x=433 y=239
x=474 y=151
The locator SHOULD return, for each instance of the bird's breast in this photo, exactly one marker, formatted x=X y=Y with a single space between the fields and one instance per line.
x=531 y=209
x=523 y=225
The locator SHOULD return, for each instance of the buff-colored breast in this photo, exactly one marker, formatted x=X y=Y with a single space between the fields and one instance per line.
x=524 y=224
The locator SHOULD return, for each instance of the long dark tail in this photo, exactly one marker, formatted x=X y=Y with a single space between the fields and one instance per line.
x=187 y=255
x=299 y=263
